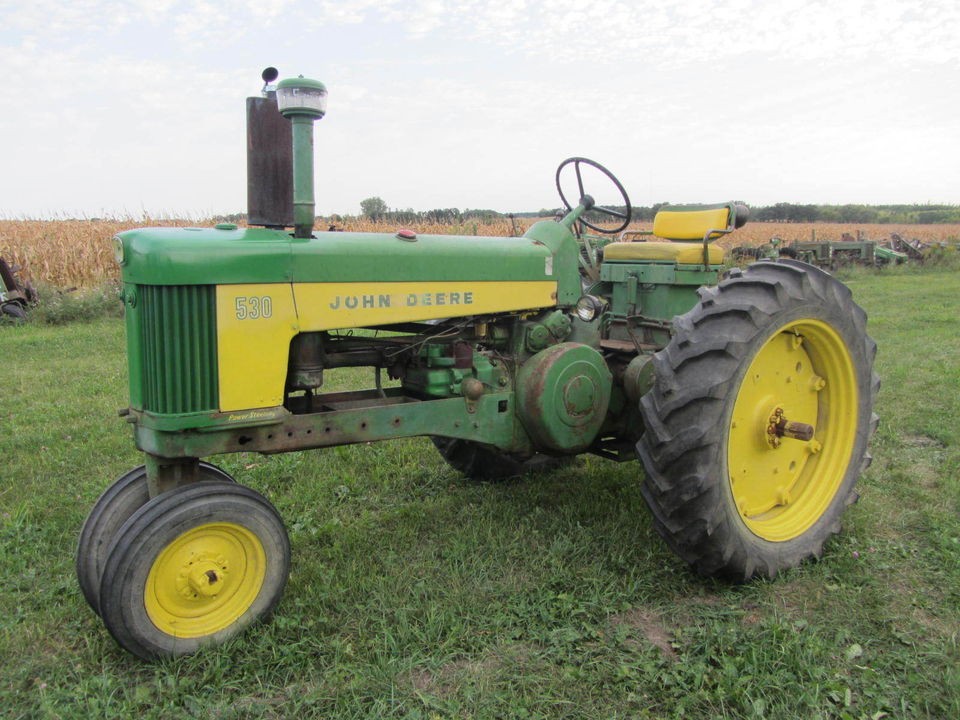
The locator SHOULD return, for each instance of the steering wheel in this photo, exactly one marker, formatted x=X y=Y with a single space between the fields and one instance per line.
x=624 y=216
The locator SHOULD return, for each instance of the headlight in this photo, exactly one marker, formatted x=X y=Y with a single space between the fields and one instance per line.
x=118 y=251
x=589 y=307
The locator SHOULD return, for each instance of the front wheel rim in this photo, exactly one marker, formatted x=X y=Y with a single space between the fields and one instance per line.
x=205 y=580
x=782 y=486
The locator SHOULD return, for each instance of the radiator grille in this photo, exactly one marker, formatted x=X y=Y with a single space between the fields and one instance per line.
x=178 y=339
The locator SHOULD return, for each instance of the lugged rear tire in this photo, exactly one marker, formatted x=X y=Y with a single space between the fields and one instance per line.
x=483 y=463
x=726 y=494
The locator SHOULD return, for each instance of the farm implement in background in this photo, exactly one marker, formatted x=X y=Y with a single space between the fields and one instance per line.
x=833 y=254
x=747 y=395
x=15 y=297
x=914 y=250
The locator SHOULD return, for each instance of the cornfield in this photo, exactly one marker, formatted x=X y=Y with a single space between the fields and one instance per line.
x=79 y=253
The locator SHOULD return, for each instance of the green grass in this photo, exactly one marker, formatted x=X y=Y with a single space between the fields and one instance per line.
x=416 y=594
x=61 y=307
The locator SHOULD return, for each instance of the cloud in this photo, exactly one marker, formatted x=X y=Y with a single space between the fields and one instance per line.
x=688 y=31
x=454 y=102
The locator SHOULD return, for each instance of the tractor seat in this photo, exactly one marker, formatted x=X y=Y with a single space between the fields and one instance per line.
x=683 y=253
x=682 y=224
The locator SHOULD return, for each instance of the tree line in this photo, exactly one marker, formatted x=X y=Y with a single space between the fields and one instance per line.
x=375 y=208
x=925 y=214
x=901 y=214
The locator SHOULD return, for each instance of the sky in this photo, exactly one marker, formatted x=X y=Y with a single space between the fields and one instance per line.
x=129 y=108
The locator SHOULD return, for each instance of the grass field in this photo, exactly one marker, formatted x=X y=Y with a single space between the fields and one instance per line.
x=416 y=594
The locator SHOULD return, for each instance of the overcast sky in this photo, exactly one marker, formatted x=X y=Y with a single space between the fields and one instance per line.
x=118 y=107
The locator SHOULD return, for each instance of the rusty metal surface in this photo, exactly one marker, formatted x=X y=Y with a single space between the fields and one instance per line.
x=269 y=165
x=795 y=430
x=6 y=276
x=626 y=346
x=15 y=297
x=780 y=427
x=349 y=418
x=563 y=394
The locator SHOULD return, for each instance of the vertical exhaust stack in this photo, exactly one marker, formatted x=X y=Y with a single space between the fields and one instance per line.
x=269 y=159
x=303 y=101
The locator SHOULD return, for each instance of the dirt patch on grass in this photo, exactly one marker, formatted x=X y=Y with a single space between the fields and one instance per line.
x=908 y=596
x=445 y=680
x=423 y=681
x=650 y=626
x=922 y=441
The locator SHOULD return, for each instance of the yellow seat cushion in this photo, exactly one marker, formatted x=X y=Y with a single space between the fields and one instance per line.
x=690 y=224
x=683 y=253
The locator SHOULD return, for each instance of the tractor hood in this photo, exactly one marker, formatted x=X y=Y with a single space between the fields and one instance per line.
x=231 y=255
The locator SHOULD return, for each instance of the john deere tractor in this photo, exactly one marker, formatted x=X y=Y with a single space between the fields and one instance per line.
x=747 y=395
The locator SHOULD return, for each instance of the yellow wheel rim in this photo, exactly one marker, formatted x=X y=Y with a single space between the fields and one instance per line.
x=205 y=580
x=780 y=485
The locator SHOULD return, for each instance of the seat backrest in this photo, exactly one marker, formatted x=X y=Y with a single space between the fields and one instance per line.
x=692 y=222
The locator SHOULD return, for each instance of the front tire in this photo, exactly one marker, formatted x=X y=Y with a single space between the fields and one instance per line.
x=193 y=567
x=729 y=492
x=111 y=510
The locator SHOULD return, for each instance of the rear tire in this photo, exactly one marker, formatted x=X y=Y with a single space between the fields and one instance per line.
x=727 y=494
x=484 y=463
x=193 y=567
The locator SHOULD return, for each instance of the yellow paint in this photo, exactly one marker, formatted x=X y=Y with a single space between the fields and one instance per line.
x=253 y=343
x=205 y=580
x=781 y=490
x=326 y=306
x=689 y=224
x=683 y=253
x=256 y=322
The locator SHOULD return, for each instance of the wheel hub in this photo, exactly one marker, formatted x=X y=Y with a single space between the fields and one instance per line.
x=205 y=579
x=202 y=577
x=779 y=427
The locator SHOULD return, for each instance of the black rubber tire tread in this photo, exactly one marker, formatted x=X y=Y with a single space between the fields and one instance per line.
x=111 y=510
x=484 y=463
x=156 y=524
x=686 y=415
x=15 y=311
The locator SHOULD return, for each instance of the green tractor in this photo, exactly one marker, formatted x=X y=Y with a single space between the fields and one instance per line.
x=747 y=395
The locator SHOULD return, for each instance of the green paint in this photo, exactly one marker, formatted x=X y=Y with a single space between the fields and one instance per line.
x=438 y=376
x=201 y=256
x=657 y=290
x=171 y=348
x=491 y=420
x=303 y=205
x=565 y=254
x=562 y=396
